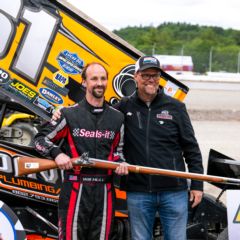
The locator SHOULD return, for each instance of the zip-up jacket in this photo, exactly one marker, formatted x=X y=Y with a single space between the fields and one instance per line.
x=87 y=198
x=160 y=136
x=98 y=131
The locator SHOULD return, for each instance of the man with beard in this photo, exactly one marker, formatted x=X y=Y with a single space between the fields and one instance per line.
x=158 y=134
x=86 y=203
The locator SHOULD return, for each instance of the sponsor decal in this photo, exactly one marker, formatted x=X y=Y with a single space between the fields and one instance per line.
x=170 y=88
x=150 y=60
x=44 y=186
x=31 y=165
x=43 y=104
x=26 y=96
x=39 y=147
x=4 y=76
x=164 y=115
x=70 y=62
x=60 y=78
x=61 y=90
x=81 y=132
x=27 y=184
x=19 y=88
x=51 y=95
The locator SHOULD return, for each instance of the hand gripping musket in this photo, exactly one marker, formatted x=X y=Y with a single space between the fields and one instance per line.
x=29 y=165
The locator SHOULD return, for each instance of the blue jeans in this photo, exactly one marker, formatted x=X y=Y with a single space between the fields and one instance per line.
x=172 y=207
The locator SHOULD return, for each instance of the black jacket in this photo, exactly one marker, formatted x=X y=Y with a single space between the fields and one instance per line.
x=98 y=131
x=159 y=136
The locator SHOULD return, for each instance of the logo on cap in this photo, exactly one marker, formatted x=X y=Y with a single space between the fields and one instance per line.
x=148 y=60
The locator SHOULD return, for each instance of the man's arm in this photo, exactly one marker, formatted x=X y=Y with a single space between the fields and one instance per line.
x=190 y=147
x=45 y=139
x=192 y=155
x=122 y=169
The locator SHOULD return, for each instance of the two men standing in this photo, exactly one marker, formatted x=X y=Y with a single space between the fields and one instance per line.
x=158 y=133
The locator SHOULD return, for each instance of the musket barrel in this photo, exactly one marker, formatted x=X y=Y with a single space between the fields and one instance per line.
x=169 y=173
x=28 y=165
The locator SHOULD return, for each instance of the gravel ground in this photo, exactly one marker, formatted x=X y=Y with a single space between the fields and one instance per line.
x=222 y=136
x=198 y=99
x=215 y=117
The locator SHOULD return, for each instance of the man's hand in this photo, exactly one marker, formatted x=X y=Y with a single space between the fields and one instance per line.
x=63 y=161
x=56 y=114
x=195 y=197
x=122 y=169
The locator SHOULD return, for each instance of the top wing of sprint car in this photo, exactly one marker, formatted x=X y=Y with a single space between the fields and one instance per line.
x=44 y=47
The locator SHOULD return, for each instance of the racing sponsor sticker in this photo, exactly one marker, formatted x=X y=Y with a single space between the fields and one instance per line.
x=61 y=90
x=70 y=62
x=98 y=134
x=170 y=88
x=26 y=96
x=60 y=78
x=31 y=165
x=164 y=115
x=51 y=95
x=19 y=88
x=43 y=104
x=4 y=76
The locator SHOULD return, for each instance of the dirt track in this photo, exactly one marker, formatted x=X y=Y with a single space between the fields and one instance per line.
x=213 y=100
x=215 y=117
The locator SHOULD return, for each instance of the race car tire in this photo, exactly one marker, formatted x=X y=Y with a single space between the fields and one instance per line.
x=10 y=226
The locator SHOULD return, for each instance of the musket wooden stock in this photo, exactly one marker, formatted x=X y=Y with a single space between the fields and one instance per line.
x=29 y=165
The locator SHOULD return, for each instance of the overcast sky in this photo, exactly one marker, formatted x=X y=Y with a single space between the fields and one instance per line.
x=122 y=13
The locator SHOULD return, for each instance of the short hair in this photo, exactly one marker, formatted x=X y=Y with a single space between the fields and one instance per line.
x=84 y=71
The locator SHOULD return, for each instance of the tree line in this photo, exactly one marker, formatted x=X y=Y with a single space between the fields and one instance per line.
x=211 y=48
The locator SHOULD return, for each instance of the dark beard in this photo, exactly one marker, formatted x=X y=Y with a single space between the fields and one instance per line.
x=98 y=95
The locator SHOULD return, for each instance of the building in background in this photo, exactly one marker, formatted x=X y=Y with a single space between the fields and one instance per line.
x=175 y=63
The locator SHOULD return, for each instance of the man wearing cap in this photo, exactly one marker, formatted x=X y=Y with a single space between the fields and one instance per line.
x=159 y=134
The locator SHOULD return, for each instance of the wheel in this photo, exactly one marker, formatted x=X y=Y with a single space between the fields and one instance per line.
x=118 y=230
x=127 y=231
x=28 y=133
x=10 y=226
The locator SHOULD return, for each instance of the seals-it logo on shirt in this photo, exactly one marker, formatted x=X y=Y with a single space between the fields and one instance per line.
x=81 y=132
x=164 y=115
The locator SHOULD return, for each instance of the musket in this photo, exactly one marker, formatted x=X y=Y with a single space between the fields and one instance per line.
x=29 y=165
